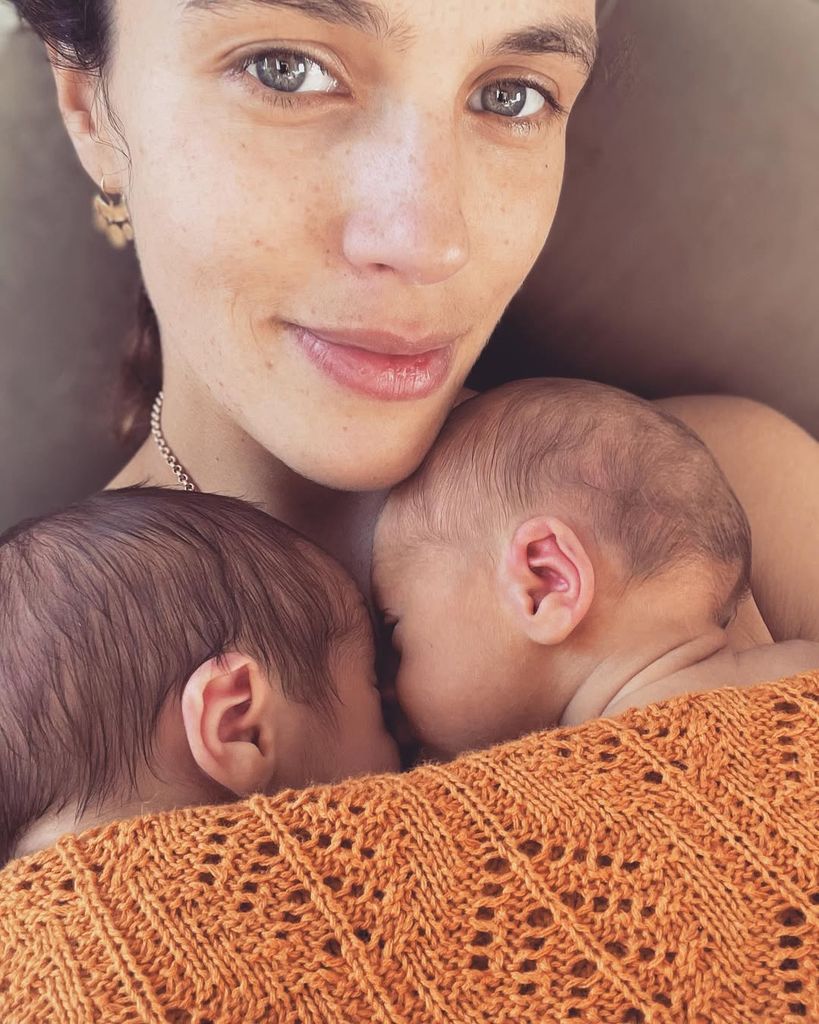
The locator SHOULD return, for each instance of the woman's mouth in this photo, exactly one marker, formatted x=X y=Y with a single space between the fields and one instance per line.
x=378 y=365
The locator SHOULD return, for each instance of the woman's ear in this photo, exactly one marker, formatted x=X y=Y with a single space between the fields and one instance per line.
x=82 y=105
x=228 y=710
x=548 y=579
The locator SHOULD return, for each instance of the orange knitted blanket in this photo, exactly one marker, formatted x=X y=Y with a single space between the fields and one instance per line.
x=662 y=866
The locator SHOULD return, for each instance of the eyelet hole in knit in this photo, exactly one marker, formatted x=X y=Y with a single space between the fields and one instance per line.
x=540 y=917
x=583 y=969
x=176 y=1015
x=530 y=848
x=791 y=917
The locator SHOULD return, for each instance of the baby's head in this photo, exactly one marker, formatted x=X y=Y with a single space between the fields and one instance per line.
x=161 y=649
x=555 y=524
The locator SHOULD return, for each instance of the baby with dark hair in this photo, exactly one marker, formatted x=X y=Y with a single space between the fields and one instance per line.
x=164 y=649
x=566 y=551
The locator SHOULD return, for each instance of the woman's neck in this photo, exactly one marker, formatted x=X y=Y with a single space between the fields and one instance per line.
x=221 y=457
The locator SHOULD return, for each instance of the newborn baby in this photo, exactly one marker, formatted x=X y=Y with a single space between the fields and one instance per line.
x=566 y=551
x=163 y=649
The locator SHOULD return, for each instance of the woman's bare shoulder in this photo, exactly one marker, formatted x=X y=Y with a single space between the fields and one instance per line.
x=773 y=466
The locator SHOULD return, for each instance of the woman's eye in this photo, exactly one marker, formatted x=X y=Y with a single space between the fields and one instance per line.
x=511 y=99
x=288 y=72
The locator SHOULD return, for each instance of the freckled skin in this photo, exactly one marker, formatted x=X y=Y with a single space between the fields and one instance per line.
x=394 y=206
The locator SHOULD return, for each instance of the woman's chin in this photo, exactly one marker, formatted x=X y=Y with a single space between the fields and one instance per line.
x=359 y=474
x=376 y=465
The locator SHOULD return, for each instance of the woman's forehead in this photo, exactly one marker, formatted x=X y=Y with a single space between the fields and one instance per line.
x=562 y=26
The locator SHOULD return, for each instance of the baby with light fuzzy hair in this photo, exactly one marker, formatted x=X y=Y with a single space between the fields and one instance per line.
x=566 y=551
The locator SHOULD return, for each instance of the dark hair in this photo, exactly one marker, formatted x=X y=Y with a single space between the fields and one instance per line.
x=78 y=34
x=639 y=478
x=108 y=607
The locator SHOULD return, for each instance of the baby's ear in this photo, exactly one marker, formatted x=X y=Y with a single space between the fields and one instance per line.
x=548 y=579
x=228 y=710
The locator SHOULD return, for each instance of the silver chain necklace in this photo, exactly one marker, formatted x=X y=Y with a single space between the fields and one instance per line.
x=181 y=474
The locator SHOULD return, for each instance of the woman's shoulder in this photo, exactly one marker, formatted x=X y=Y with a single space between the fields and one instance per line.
x=773 y=466
x=747 y=438
x=718 y=414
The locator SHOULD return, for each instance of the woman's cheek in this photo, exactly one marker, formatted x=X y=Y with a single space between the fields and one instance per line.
x=515 y=211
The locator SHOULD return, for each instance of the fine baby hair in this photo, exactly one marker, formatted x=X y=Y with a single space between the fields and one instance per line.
x=643 y=482
x=108 y=607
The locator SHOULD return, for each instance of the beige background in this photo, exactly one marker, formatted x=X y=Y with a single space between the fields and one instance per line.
x=685 y=256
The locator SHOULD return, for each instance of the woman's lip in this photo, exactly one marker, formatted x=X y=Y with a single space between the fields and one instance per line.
x=386 y=375
x=384 y=342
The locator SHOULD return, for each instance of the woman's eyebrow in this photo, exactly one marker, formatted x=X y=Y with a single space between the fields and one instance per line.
x=360 y=14
x=570 y=36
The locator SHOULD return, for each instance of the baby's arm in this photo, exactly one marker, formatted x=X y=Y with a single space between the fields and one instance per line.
x=764 y=664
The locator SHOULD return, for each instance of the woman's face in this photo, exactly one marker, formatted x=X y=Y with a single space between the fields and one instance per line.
x=335 y=200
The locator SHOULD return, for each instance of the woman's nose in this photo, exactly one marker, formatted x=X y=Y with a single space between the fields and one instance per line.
x=406 y=213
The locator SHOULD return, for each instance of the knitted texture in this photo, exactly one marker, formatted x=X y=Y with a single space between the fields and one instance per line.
x=661 y=866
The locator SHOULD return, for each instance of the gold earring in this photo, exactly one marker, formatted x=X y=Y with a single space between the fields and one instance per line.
x=112 y=217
